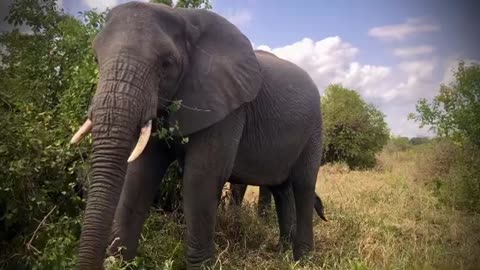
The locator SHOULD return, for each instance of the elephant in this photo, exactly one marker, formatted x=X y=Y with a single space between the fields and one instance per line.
x=249 y=116
x=265 y=199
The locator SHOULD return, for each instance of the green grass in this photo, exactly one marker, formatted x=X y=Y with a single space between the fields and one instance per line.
x=390 y=217
x=379 y=219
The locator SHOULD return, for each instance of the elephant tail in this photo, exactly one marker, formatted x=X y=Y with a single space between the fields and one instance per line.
x=319 y=207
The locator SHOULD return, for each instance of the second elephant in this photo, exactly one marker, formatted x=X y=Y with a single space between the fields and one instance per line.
x=265 y=200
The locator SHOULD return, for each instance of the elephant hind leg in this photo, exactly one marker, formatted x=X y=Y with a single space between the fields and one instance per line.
x=303 y=178
x=264 y=201
x=238 y=193
x=285 y=208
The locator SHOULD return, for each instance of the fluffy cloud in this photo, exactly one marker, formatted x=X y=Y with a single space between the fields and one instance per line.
x=327 y=60
x=394 y=89
x=451 y=66
x=413 y=51
x=331 y=60
x=401 y=31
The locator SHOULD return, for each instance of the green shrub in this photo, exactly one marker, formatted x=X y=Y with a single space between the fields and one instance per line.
x=353 y=130
x=47 y=79
x=398 y=144
x=461 y=186
x=454 y=114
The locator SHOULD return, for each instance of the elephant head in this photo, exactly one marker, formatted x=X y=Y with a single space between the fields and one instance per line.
x=148 y=55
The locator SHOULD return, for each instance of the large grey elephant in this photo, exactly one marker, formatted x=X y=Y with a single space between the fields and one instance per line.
x=247 y=114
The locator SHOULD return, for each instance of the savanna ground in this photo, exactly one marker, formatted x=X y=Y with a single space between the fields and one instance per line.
x=391 y=217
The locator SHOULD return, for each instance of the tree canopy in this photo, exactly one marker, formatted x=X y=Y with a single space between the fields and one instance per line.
x=455 y=111
x=48 y=75
x=353 y=130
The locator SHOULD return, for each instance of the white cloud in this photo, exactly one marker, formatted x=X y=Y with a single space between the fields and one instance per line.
x=417 y=80
x=413 y=51
x=327 y=60
x=420 y=68
x=331 y=60
x=60 y=4
x=451 y=67
x=402 y=31
x=240 y=18
x=101 y=5
x=394 y=89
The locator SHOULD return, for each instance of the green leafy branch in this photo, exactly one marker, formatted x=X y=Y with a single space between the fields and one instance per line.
x=166 y=130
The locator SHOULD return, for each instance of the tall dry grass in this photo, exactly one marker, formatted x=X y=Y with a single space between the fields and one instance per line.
x=386 y=218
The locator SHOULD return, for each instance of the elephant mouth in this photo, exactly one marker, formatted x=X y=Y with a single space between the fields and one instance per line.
x=145 y=133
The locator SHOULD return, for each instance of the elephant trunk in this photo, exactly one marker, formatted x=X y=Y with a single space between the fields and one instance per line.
x=117 y=113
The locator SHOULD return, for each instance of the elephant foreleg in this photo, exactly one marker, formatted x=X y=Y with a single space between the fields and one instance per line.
x=209 y=159
x=142 y=180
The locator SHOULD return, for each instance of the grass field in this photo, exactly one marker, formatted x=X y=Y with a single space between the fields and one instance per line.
x=386 y=218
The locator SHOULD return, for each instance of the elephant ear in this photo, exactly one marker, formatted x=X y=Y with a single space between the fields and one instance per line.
x=222 y=74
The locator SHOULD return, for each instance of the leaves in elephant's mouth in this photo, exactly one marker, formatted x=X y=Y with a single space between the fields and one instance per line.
x=166 y=130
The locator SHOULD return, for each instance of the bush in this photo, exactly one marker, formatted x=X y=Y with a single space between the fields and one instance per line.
x=460 y=187
x=47 y=78
x=354 y=131
x=454 y=114
x=398 y=144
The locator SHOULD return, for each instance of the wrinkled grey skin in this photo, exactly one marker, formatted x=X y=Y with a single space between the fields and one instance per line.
x=248 y=115
x=265 y=199
x=284 y=205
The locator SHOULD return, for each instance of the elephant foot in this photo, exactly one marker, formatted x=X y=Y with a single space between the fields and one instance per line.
x=197 y=264
x=285 y=244
x=301 y=250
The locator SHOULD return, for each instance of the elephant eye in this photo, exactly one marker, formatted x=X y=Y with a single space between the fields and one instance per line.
x=166 y=63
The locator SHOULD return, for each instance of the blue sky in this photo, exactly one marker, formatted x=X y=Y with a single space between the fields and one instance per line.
x=391 y=52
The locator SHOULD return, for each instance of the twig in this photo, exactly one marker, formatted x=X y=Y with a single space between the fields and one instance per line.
x=6 y=102
x=29 y=244
x=221 y=253
x=185 y=106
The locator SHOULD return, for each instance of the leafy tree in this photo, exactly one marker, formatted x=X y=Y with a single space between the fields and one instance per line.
x=353 y=130
x=454 y=114
x=455 y=111
x=396 y=144
x=47 y=77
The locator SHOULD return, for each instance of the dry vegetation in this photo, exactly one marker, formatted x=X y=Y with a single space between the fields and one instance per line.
x=386 y=218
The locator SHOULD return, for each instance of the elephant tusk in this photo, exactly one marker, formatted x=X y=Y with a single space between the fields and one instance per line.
x=142 y=141
x=82 y=132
